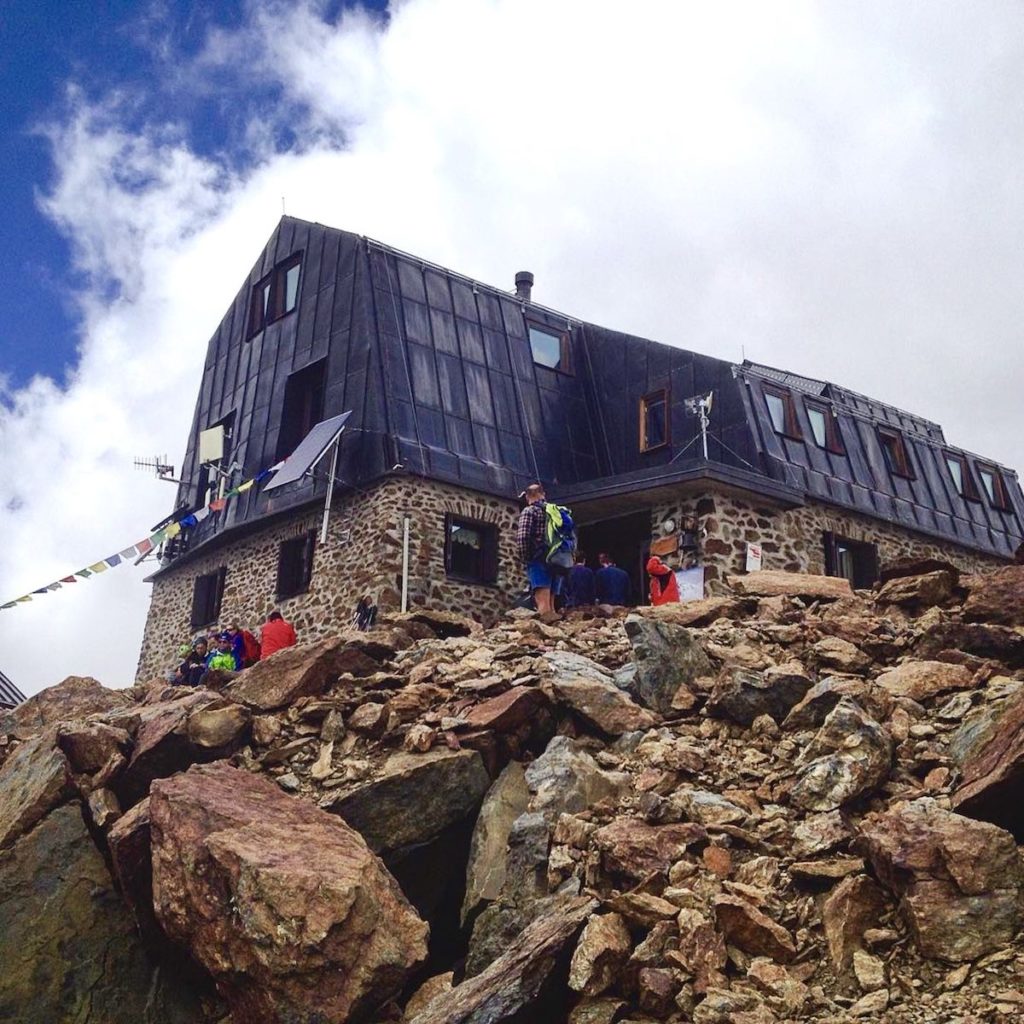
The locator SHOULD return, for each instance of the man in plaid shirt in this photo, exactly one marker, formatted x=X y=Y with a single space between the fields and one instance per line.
x=531 y=538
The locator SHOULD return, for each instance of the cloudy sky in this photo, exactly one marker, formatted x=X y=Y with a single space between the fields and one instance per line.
x=833 y=188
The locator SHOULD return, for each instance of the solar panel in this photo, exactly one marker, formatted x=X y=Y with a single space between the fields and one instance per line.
x=10 y=695
x=310 y=451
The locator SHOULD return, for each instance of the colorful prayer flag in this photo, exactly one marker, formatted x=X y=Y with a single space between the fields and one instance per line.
x=245 y=486
x=144 y=546
x=113 y=560
x=84 y=573
x=41 y=590
x=68 y=579
x=156 y=539
x=21 y=600
x=10 y=604
x=99 y=567
x=128 y=552
x=189 y=520
x=53 y=586
x=172 y=530
x=202 y=514
x=218 y=504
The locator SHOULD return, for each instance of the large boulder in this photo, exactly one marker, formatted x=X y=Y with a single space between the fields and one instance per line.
x=742 y=695
x=667 y=656
x=600 y=953
x=959 y=881
x=33 y=780
x=285 y=906
x=775 y=583
x=982 y=639
x=566 y=779
x=855 y=905
x=996 y=596
x=75 y=698
x=917 y=592
x=516 y=981
x=414 y=798
x=631 y=848
x=752 y=930
x=850 y=755
x=68 y=944
x=590 y=691
x=921 y=680
x=821 y=698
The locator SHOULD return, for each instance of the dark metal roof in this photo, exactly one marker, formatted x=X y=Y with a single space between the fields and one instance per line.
x=10 y=695
x=437 y=371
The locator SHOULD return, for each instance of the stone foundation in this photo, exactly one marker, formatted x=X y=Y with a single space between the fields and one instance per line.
x=362 y=555
x=792 y=539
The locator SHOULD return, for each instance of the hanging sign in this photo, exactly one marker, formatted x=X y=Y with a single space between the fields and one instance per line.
x=754 y=555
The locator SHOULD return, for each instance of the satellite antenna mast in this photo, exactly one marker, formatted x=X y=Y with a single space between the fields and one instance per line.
x=701 y=408
x=159 y=464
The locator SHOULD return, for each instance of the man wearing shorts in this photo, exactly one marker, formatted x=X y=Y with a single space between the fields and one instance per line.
x=531 y=538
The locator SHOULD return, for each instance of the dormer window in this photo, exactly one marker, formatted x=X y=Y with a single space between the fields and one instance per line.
x=654 y=420
x=895 y=451
x=994 y=487
x=782 y=412
x=824 y=428
x=276 y=295
x=963 y=480
x=550 y=348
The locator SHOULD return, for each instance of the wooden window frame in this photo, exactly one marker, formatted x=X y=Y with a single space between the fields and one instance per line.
x=659 y=394
x=833 y=437
x=791 y=426
x=1000 y=498
x=969 y=486
x=897 y=457
x=291 y=583
x=277 y=280
x=206 y=608
x=491 y=550
x=302 y=408
x=867 y=574
x=564 y=348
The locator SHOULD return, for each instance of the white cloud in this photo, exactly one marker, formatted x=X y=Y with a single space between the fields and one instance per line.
x=832 y=188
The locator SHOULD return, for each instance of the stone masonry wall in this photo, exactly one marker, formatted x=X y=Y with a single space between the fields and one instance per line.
x=362 y=555
x=791 y=539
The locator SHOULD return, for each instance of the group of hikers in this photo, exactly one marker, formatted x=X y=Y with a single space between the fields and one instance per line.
x=231 y=649
x=558 y=574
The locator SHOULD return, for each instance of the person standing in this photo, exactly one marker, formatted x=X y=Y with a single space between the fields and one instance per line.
x=275 y=635
x=664 y=589
x=580 y=589
x=611 y=582
x=531 y=539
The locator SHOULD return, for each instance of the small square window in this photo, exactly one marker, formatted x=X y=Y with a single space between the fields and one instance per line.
x=550 y=348
x=276 y=295
x=470 y=550
x=824 y=428
x=963 y=480
x=854 y=560
x=295 y=565
x=207 y=592
x=303 y=407
x=995 y=488
x=782 y=412
x=654 y=420
x=895 y=451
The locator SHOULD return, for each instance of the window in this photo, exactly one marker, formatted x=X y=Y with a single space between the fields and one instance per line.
x=295 y=565
x=782 y=412
x=550 y=348
x=654 y=420
x=824 y=428
x=276 y=295
x=470 y=550
x=854 y=560
x=207 y=592
x=303 y=407
x=963 y=479
x=895 y=452
x=992 y=482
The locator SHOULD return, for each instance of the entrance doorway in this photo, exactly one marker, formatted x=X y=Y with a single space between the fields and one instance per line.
x=627 y=539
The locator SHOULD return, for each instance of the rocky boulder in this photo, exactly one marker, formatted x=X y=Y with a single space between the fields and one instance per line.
x=33 y=780
x=742 y=695
x=919 y=591
x=959 y=881
x=76 y=697
x=601 y=951
x=667 y=656
x=982 y=639
x=565 y=778
x=822 y=698
x=283 y=904
x=996 y=596
x=774 y=583
x=922 y=680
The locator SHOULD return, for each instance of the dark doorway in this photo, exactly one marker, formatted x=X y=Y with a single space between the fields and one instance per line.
x=627 y=539
x=854 y=560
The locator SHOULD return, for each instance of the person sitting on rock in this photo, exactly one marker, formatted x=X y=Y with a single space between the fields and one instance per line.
x=223 y=658
x=191 y=670
x=276 y=633
x=664 y=589
x=365 y=615
x=244 y=645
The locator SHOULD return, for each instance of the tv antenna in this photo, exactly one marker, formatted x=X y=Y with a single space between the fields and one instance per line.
x=700 y=406
x=159 y=464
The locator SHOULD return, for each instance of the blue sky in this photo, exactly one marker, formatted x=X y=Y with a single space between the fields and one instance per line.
x=824 y=186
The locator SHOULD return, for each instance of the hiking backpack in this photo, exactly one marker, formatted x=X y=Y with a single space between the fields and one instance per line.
x=560 y=536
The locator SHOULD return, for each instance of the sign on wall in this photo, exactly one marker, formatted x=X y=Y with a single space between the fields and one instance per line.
x=690 y=583
x=754 y=557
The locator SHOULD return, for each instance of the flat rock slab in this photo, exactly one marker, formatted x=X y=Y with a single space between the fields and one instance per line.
x=996 y=596
x=773 y=583
x=285 y=906
x=75 y=698
x=959 y=881
x=752 y=930
x=508 y=710
x=415 y=798
x=635 y=849
x=33 y=780
x=922 y=680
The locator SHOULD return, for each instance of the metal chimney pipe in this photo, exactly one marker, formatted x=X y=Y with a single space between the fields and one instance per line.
x=524 y=285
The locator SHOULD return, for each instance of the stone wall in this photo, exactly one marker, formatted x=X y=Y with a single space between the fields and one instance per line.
x=791 y=539
x=362 y=555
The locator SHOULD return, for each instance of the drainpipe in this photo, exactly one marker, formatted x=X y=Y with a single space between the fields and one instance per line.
x=405 y=563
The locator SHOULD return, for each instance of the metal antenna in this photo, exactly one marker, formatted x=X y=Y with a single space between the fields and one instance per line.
x=159 y=464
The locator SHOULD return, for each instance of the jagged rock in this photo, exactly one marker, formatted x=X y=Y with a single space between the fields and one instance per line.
x=68 y=944
x=603 y=1010
x=701 y=949
x=415 y=798
x=921 y=591
x=130 y=846
x=602 y=949
x=295 y=672
x=590 y=691
x=708 y=808
x=513 y=982
x=74 y=698
x=370 y=719
x=832 y=869
x=774 y=583
x=785 y=994
x=921 y=680
x=89 y=746
x=868 y=970
x=104 y=808
x=643 y=909
x=508 y=710
x=850 y=755
x=871 y=1005
x=505 y=801
x=33 y=780
x=631 y=847
x=667 y=656
x=996 y=596
x=220 y=727
x=854 y=906
x=982 y=639
x=834 y=652
x=959 y=881
x=697 y=613
x=283 y=904
x=819 y=834
x=567 y=779
x=431 y=989
x=722 y=1006
x=656 y=990
x=441 y=624
x=752 y=930
x=992 y=766
x=744 y=696
x=821 y=698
